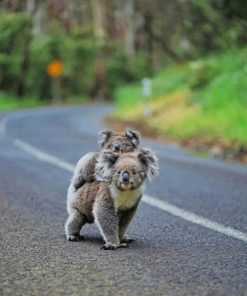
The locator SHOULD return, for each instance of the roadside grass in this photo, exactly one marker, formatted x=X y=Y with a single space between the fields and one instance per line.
x=204 y=99
x=9 y=102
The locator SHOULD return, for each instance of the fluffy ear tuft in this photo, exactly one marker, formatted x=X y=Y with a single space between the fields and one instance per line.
x=104 y=136
x=150 y=160
x=105 y=162
x=134 y=136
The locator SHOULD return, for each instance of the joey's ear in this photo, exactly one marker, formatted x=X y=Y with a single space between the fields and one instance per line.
x=150 y=160
x=104 y=136
x=134 y=136
x=105 y=162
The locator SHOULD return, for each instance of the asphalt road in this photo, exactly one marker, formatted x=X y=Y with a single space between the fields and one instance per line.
x=174 y=252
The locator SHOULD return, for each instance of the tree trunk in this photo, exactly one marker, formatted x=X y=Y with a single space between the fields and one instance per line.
x=130 y=32
x=98 y=13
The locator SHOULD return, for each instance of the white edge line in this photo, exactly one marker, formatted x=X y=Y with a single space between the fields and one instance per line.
x=193 y=218
x=3 y=127
x=150 y=200
x=43 y=156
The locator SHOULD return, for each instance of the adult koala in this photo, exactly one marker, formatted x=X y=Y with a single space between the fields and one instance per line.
x=112 y=201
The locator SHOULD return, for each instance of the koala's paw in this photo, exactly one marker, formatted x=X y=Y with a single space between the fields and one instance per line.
x=123 y=245
x=75 y=238
x=110 y=246
x=127 y=240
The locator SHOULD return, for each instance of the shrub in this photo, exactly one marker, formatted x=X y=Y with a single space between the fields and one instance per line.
x=15 y=40
x=91 y=68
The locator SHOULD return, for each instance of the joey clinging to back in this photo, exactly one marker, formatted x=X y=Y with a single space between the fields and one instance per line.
x=126 y=141
x=112 y=201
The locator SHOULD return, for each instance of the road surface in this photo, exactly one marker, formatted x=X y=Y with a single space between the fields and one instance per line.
x=190 y=230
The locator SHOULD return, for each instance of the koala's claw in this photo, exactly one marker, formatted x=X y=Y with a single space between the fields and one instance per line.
x=123 y=245
x=75 y=238
x=128 y=240
x=109 y=246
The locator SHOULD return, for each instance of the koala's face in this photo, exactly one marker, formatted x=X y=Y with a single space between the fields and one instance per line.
x=124 y=142
x=119 y=143
x=128 y=172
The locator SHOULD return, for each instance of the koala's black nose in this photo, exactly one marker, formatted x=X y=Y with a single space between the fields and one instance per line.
x=125 y=177
x=116 y=147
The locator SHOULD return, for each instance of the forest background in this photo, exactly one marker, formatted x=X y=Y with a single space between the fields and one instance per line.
x=193 y=51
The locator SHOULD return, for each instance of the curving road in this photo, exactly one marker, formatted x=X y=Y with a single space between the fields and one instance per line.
x=190 y=230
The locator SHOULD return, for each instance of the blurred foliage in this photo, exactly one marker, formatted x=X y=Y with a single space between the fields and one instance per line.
x=121 y=69
x=77 y=55
x=10 y=102
x=205 y=99
x=89 y=64
x=105 y=46
x=15 y=39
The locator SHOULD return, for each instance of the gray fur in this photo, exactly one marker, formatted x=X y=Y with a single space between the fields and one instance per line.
x=74 y=224
x=134 y=136
x=150 y=160
x=104 y=136
x=111 y=203
x=104 y=164
x=85 y=168
x=124 y=219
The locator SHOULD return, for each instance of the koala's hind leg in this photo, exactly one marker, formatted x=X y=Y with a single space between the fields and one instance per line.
x=78 y=182
x=73 y=225
x=125 y=218
x=107 y=221
x=84 y=170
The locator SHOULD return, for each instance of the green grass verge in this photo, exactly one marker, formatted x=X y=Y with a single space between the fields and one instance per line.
x=204 y=99
x=9 y=102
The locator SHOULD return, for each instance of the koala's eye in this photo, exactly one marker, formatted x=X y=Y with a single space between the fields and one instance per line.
x=118 y=172
x=134 y=172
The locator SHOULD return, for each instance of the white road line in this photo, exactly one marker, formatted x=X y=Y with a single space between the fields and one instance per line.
x=193 y=218
x=150 y=200
x=3 y=127
x=43 y=156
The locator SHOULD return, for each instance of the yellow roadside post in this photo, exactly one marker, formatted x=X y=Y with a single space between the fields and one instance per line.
x=54 y=70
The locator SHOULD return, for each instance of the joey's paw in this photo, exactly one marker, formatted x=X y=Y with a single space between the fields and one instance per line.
x=127 y=240
x=75 y=238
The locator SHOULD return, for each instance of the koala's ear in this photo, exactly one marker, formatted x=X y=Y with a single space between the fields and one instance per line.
x=134 y=136
x=150 y=160
x=105 y=162
x=104 y=136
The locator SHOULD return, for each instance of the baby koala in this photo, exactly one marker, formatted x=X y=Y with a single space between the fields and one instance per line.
x=84 y=172
x=112 y=201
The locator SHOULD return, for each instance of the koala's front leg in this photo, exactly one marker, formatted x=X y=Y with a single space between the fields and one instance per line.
x=107 y=221
x=125 y=218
